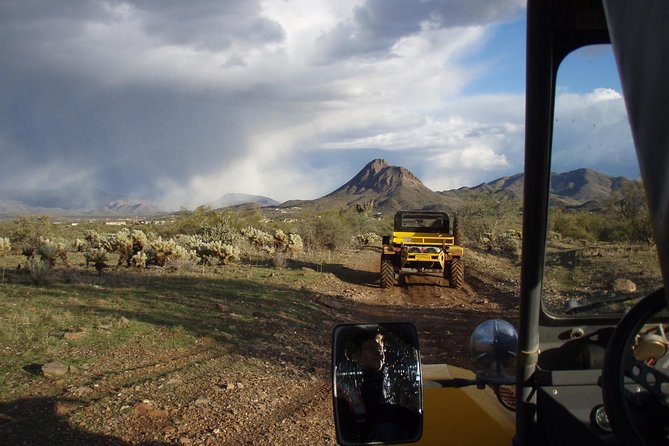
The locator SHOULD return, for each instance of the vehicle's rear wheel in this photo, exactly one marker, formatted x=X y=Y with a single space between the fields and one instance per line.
x=387 y=275
x=456 y=273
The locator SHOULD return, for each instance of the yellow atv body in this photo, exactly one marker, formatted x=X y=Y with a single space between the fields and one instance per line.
x=421 y=242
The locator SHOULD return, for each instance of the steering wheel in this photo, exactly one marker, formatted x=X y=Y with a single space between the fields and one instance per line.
x=635 y=385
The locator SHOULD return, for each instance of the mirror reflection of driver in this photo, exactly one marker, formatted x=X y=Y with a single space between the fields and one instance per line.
x=364 y=410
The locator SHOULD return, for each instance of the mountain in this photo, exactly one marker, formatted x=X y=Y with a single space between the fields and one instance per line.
x=389 y=187
x=577 y=188
x=70 y=201
x=66 y=198
x=229 y=200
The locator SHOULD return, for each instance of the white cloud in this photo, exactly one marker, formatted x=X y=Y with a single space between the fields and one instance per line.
x=591 y=130
x=188 y=101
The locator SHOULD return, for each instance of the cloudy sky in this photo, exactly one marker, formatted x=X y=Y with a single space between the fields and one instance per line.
x=182 y=102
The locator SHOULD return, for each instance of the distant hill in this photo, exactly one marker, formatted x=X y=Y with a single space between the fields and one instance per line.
x=577 y=188
x=66 y=198
x=389 y=187
x=70 y=201
x=229 y=200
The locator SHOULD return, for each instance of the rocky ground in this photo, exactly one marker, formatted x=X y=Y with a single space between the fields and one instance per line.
x=225 y=394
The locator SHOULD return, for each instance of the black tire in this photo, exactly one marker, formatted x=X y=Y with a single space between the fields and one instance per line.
x=456 y=273
x=622 y=406
x=387 y=274
x=457 y=231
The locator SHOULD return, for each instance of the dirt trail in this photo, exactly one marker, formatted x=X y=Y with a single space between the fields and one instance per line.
x=258 y=397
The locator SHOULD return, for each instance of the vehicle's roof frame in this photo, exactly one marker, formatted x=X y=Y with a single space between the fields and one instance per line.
x=554 y=29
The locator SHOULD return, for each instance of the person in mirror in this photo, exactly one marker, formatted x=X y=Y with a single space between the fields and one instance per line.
x=366 y=413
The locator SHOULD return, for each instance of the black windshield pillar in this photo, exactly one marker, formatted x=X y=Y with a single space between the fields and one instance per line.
x=538 y=133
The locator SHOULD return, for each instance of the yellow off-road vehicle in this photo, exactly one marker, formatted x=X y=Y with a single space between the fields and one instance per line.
x=590 y=368
x=421 y=242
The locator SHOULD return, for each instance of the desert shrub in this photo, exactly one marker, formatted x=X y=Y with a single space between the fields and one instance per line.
x=280 y=246
x=628 y=213
x=331 y=230
x=5 y=245
x=205 y=252
x=216 y=252
x=367 y=239
x=509 y=242
x=49 y=251
x=79 y=245
x=257 y=238
x=279 y=259
x=222 y=232
x=28 y=230
x=139 y=260
x=98 y=257
x=580 y=225
x=128 y=243
x=100 y=240
x=41 y=272
x=162 y=251
x=484 y=215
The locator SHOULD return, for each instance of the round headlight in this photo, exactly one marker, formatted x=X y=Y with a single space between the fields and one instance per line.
x=493 y=342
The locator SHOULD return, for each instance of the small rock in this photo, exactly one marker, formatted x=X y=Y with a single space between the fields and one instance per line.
x=123 y=320
x=149 y=410
x=174 y=382
x=55 y=369
x=240 y=385
x=226 y=336
x=624 y=286
x=202 y=401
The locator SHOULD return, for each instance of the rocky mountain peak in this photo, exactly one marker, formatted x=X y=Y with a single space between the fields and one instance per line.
x=379 y=176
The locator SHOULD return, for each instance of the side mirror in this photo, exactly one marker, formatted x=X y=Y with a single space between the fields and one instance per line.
x=377 y=386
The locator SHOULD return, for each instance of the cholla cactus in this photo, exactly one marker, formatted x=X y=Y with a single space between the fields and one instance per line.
x=128 y=243
x=221 y=232
x=5 y=245
x=295 y=243
x=79 y=245
x=97 y=240
x=287 y=243
x=98 y=257
x=164 y=250
x=50 y=250
x=92 y=237
x=258 y=238
x=280 y=242
x=217 y=252
x=139 y=260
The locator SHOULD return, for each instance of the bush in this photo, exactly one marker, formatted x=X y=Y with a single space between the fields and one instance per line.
x=5 y=245
x=509 y=242
x=367 y=239
x=29 y=230
x=41 y=272
x=98 y=257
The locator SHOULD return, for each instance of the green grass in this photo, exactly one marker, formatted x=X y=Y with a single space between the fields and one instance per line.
x=125 y=313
